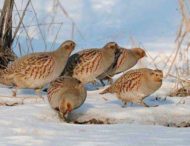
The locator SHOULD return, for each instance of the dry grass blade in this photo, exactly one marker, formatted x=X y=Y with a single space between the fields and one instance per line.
x=183 y=32
x=52 y=46
x=30 y=43
x=71 y=19
x=43 y=37
x=41 y=24
x=20 y=21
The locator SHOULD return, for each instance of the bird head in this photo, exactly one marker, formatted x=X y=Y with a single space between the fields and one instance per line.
x=65 y=107
x=111 y=47
x=139 y=52
x=67 y=46
x=157 y=75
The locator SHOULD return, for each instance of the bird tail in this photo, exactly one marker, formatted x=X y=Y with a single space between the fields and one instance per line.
x=107 y=90
x=3 y=79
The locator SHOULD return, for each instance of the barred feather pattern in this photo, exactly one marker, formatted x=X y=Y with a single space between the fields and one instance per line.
x=92 y=60
x=55 y=86
x=28 y=71
x=83 y=64
x=137 y=84
x=34 y=67
x=66 y=91
x=129 y=83
x=123 y=56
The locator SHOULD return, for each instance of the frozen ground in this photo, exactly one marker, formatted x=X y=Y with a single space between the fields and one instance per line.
x=35 y=123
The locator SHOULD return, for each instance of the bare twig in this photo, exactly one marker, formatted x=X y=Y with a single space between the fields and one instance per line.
x=71 y=19
x=52 y=46
x=41 y=24
x=20 y=21
x=183 y=80
x=43 y=37
x=25 y=29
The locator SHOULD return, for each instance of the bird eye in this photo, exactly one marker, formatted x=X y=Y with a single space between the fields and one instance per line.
x=67 y=47
x=113 y=46
x=72 y=44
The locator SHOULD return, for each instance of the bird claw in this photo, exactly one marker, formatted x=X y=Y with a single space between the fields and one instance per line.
x=124 y=105
x=14 y=94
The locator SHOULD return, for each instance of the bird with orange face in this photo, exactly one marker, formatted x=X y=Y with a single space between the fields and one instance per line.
x=66 y=94
x=126 y=59
x=135 y=85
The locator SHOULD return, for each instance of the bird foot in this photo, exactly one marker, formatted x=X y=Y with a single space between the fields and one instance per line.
x=14 y=94
x=124 y=105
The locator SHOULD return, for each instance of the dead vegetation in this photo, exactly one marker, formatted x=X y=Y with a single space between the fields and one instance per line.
x=178 y=125
x=93 y=121
x=180 y=62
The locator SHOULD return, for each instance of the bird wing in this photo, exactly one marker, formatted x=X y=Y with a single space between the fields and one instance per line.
x=81 y=60
x=130 y=81
x=35 y=66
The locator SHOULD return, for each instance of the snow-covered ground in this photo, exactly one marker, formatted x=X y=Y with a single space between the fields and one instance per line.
x=35 y=123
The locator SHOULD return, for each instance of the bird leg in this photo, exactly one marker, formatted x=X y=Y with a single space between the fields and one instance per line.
x=102 y=82
x=14 y=91
x=124 y=104
x=93 y=82
x=38 y=92
x=110 y=80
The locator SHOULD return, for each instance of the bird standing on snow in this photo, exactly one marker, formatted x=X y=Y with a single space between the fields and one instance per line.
x=66 y=94
x=126 y=60
x=135 y=85
x=86 y=65
x=36 y=69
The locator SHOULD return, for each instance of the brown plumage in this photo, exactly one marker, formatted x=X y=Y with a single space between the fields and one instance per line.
x=136 y=84
x=66 y=94
x=37 y=69
x=127 y=59
x=86 y=65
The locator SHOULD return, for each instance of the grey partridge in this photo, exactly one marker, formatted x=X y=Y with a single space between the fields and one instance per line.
x=37 y=69
x=86 y=65
x=66 y=94
x=135 y=85
x=127 y=59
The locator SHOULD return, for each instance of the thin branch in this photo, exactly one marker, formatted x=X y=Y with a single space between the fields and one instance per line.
x=71 y=19
x=176 y=54
x=52 y=46
x=41 y=24
x=24 y=28
x=21 y=19
x=43 y=37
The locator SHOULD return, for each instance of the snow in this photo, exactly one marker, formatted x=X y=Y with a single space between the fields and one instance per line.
x=33 y=122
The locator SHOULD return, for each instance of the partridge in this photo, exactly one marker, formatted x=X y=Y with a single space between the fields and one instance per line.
x=66 y=94
x=127 y=59
x=37 y=69
x=135 y=85
x=86 y=65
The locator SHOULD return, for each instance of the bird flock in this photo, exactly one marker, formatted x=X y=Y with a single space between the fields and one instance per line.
x=67 y=75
